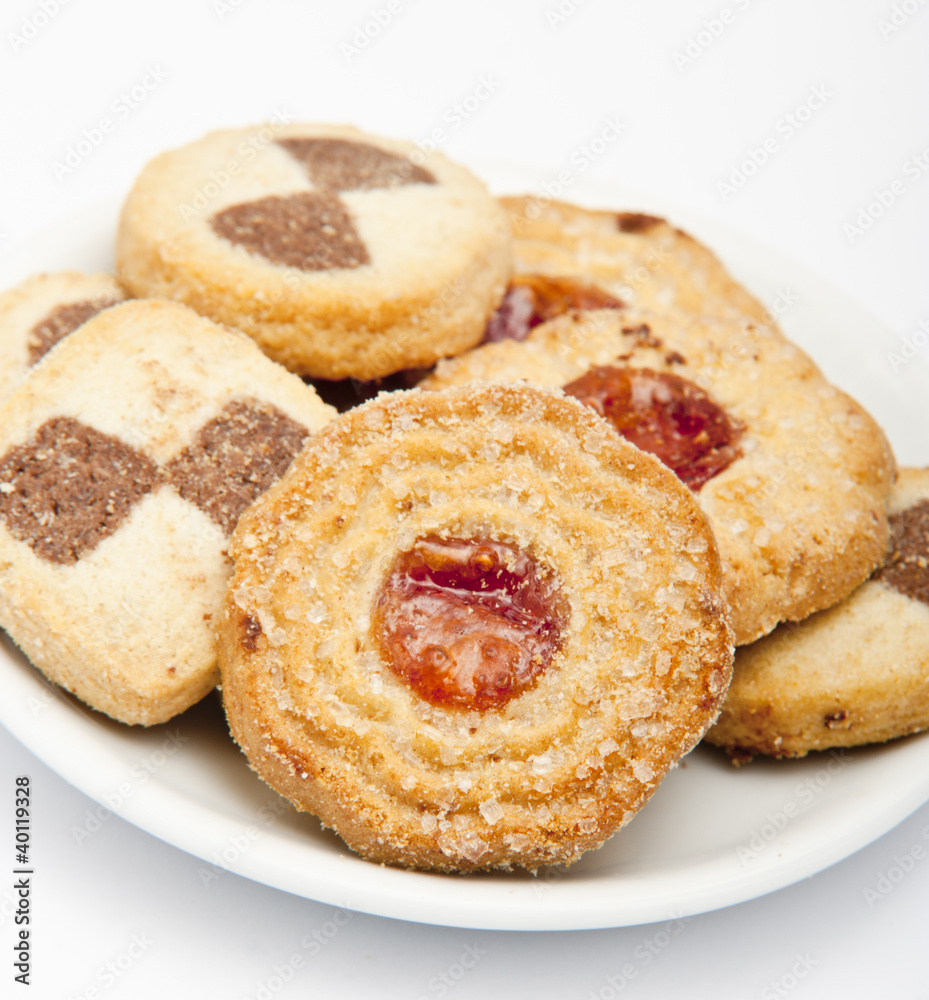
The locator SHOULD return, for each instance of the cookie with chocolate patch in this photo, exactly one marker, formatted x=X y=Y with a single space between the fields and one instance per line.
x=637 y=259
x=342 y=254
x=792 y=473
x=126 y=459
x=856 y=673
x=44 y=309
x=472 y=629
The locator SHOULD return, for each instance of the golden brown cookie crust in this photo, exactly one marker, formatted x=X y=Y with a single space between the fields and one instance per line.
x=642 y=665
x=800 y=516
x=854 y=674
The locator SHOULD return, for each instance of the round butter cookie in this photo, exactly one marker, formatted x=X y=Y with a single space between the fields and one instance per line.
x=853 y=674
x=472 y=629
x=571 y=255
x=791 y=472
x=126 y=458
x=44 y=309
x=342 y=254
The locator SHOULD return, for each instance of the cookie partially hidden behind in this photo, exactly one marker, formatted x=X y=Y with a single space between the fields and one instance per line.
x=126 y=458
x=43 y=310
x=473 y=629
x=857 y=673
x=792 y=473
x=641 y=260
x=342 y=254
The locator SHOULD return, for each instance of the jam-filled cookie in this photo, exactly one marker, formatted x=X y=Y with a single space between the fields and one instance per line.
x=44 y=309
x=571 y=257
x=126 y=458
x=853 y=674
x=338 y=252
x=472 y=629
x=792 y=473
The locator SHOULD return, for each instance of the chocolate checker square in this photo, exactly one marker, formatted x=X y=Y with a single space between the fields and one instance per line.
x=41 y=311
x=906 y=568
x=125 y=459
x=235 y=458
x=70 y=487
x=343 y=165
x=310 y=231
x=61 y=321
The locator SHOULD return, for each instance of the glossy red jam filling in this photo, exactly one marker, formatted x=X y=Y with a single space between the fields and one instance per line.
x=468 y=623
x=534 y=298
x=666 y=415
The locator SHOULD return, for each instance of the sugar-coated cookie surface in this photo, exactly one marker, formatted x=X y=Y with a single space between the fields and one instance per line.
x=472 y=629
x=342 y=254
x=854 y=674
x=126 y=458
x=795 y=479
x=42 y=310
x=640 y=259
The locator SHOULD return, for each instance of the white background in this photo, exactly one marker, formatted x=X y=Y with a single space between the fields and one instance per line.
x=695 y=91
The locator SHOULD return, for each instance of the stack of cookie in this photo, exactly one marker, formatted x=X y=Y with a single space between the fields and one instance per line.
x=474 y=624
x=800 y=484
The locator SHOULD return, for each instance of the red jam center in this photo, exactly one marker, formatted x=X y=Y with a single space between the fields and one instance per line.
x=467 y=623
x=663 y=414
x=534 y=298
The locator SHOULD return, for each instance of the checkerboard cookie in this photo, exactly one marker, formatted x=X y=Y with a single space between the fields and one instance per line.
x=125 y=460
x=854 y=674
x=472 y=629
x=335 y=250
x=43 y=309
x=792 y=473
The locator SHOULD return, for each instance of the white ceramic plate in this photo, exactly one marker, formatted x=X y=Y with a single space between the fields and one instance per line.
x=711 y=836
